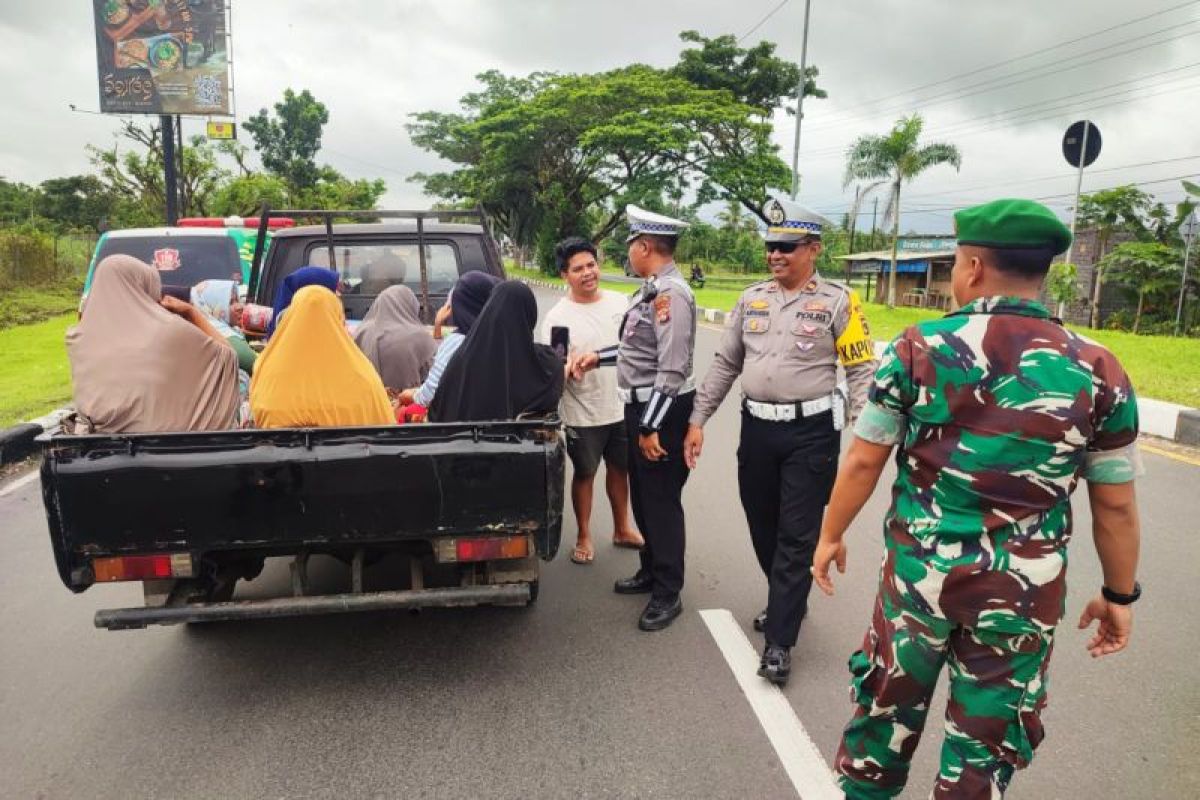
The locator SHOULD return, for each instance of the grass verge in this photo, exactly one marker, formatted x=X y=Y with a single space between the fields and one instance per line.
x=34 y=375
x=28 y=304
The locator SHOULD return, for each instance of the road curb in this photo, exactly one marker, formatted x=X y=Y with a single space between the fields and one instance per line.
x=17 y=442
x=1165 y=420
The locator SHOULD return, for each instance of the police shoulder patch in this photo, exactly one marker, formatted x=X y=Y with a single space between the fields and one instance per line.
x=662 y=307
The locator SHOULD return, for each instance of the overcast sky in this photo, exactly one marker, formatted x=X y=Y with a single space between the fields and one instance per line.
x=373 y=63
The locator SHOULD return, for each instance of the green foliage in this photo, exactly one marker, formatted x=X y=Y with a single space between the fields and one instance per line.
x=1062 y=283
x=288 y=140
x=1151 y=270
x=244 y=195
x=755 y=76
x=550 y=156
x=896 y=157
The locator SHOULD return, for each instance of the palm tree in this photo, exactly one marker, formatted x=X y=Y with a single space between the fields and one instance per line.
x=1121 y=208
x=896 y=157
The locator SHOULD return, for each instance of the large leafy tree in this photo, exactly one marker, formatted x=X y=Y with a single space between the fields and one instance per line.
x=289 y=139
x=76 y=203
x=1150 y=269
x=755 y=76
x=1122 y=208
x=896 y=158
x=556 y=155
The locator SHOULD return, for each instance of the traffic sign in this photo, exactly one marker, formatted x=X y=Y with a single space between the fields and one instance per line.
x=222 y=130
x=1073 y=143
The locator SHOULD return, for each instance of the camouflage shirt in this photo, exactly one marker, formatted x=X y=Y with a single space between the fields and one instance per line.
x=999 y=411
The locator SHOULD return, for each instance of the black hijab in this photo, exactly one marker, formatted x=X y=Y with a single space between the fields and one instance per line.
x=468 y=297
x=499 y=372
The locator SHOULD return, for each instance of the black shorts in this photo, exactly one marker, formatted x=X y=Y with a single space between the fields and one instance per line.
x=586 y=446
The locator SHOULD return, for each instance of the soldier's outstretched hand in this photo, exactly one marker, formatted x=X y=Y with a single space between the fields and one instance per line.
x=1116 y=624
x=827 y=553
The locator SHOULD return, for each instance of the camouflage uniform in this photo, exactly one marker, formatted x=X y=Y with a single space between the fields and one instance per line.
x=999 y=411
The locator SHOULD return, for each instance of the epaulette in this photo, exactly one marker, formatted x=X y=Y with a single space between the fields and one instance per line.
x=838 y=284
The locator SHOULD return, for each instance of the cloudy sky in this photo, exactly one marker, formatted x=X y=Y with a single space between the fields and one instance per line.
x=1002 y=80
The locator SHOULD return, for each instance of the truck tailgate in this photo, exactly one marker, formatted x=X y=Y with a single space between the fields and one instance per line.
x=275 y=491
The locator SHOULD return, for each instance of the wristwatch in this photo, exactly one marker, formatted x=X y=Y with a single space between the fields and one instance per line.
x=1122 y=599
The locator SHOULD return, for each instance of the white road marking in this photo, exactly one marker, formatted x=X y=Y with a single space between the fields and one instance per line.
x=799 y=756
x=20 y=483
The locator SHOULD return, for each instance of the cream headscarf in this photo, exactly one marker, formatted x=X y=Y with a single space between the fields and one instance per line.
x=138 y=368
x=313 y=375
x=394 y=339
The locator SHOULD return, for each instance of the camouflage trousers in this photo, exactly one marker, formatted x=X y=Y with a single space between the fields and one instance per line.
x=997 y=683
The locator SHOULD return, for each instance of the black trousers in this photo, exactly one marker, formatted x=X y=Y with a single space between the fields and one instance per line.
x=785 y=477
x=656 y=494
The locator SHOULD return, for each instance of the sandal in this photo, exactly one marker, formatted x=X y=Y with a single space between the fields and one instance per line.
x=581 y=556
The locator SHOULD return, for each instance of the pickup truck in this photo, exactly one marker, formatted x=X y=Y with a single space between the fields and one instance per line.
x=471 y=507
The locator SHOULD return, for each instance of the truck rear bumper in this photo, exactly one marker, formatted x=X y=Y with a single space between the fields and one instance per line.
x=508 y=594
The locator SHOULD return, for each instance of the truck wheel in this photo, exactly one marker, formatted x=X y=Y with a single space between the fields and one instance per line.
x=533 y=593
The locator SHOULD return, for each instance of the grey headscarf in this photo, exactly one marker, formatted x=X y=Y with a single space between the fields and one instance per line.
x=394 y=339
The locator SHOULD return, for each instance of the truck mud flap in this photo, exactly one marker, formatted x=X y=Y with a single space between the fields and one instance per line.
x=510 y=594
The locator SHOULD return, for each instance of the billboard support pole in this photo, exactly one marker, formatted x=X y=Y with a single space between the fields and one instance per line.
x=170 y=181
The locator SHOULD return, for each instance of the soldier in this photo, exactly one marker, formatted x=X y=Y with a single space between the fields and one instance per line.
x=785 y=338
x=998 y=411
x=654 y=379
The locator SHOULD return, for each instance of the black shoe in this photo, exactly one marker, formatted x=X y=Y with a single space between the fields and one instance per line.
x=776 y=664
x=638 y=584
x=760 y=622
x=660 y=612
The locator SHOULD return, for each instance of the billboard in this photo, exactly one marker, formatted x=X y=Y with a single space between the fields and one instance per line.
x=162 y=56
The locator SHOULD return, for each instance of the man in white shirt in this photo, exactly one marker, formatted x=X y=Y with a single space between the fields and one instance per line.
x=591 y=410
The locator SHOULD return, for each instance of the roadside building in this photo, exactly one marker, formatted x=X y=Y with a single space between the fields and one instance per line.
x=922 y=271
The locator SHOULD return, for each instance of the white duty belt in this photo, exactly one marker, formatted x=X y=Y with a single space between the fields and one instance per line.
x=641 y=394
x=787 y=412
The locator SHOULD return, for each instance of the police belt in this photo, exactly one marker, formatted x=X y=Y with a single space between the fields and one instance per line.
x=641 y=394
x=787 y=412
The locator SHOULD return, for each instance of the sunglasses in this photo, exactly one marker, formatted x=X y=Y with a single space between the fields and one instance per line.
x=786 y=248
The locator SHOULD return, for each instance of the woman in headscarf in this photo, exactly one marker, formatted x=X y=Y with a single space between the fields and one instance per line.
x=313 y=375
x=218 y=300
x=305 y=276
x=467 y=299
x=394 y=340
x=144 y=363
x=500 y=372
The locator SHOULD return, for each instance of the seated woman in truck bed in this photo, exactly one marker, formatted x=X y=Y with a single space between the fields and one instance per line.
x=142 y=363
x=311 y=373
x=394 y=340
x=499 y=372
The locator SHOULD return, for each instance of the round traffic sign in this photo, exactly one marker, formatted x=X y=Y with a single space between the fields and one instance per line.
x=1072 y=144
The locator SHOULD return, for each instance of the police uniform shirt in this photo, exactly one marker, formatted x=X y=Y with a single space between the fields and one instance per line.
x=657 y=343
x=786 y=347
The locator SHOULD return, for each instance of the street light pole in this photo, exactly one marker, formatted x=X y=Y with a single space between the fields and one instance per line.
x=800 y=103
x=1188 y=238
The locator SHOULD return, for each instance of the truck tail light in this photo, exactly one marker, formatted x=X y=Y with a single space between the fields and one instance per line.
x=483 y=548
x=142 y=568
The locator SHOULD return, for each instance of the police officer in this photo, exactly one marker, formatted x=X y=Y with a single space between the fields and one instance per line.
x=785 y=339
x=654 y=379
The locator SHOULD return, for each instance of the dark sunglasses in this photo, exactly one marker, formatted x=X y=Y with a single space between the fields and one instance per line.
x=786 y=248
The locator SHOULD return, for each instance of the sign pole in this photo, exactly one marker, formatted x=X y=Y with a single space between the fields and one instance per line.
x=170 y=181
x=1188 y=238
x=800 y=104
x=1078 y=188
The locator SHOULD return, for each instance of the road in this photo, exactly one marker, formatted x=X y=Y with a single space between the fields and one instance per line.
x=564 y=700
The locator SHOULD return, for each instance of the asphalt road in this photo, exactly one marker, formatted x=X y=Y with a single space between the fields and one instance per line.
x=567 y=699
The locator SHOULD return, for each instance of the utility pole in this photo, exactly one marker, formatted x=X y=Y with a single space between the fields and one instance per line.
x=170 y=182
x=874 y=215
x=1188 y=237
x=800 y=103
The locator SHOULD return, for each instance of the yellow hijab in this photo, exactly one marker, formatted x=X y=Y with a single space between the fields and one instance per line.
x=312 y=375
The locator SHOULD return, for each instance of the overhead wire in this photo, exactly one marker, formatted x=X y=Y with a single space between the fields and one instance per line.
x=763 y=21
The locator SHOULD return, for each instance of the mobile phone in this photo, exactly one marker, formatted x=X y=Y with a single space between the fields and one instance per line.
x=560 y=340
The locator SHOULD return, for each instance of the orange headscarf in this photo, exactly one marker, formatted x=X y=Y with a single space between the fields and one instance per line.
x=313 y=375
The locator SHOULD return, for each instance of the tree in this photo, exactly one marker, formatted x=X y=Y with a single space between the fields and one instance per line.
x=18 y=202
x=75 y=203
x=556 y=155
x=1148 y=268
x=244 y=195
x=289 y=140
x=1062 y=285
x=896 y=157
x=1123 y=208
x=755 y=76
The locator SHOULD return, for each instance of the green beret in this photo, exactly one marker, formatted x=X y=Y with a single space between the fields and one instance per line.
x=1003 y=224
